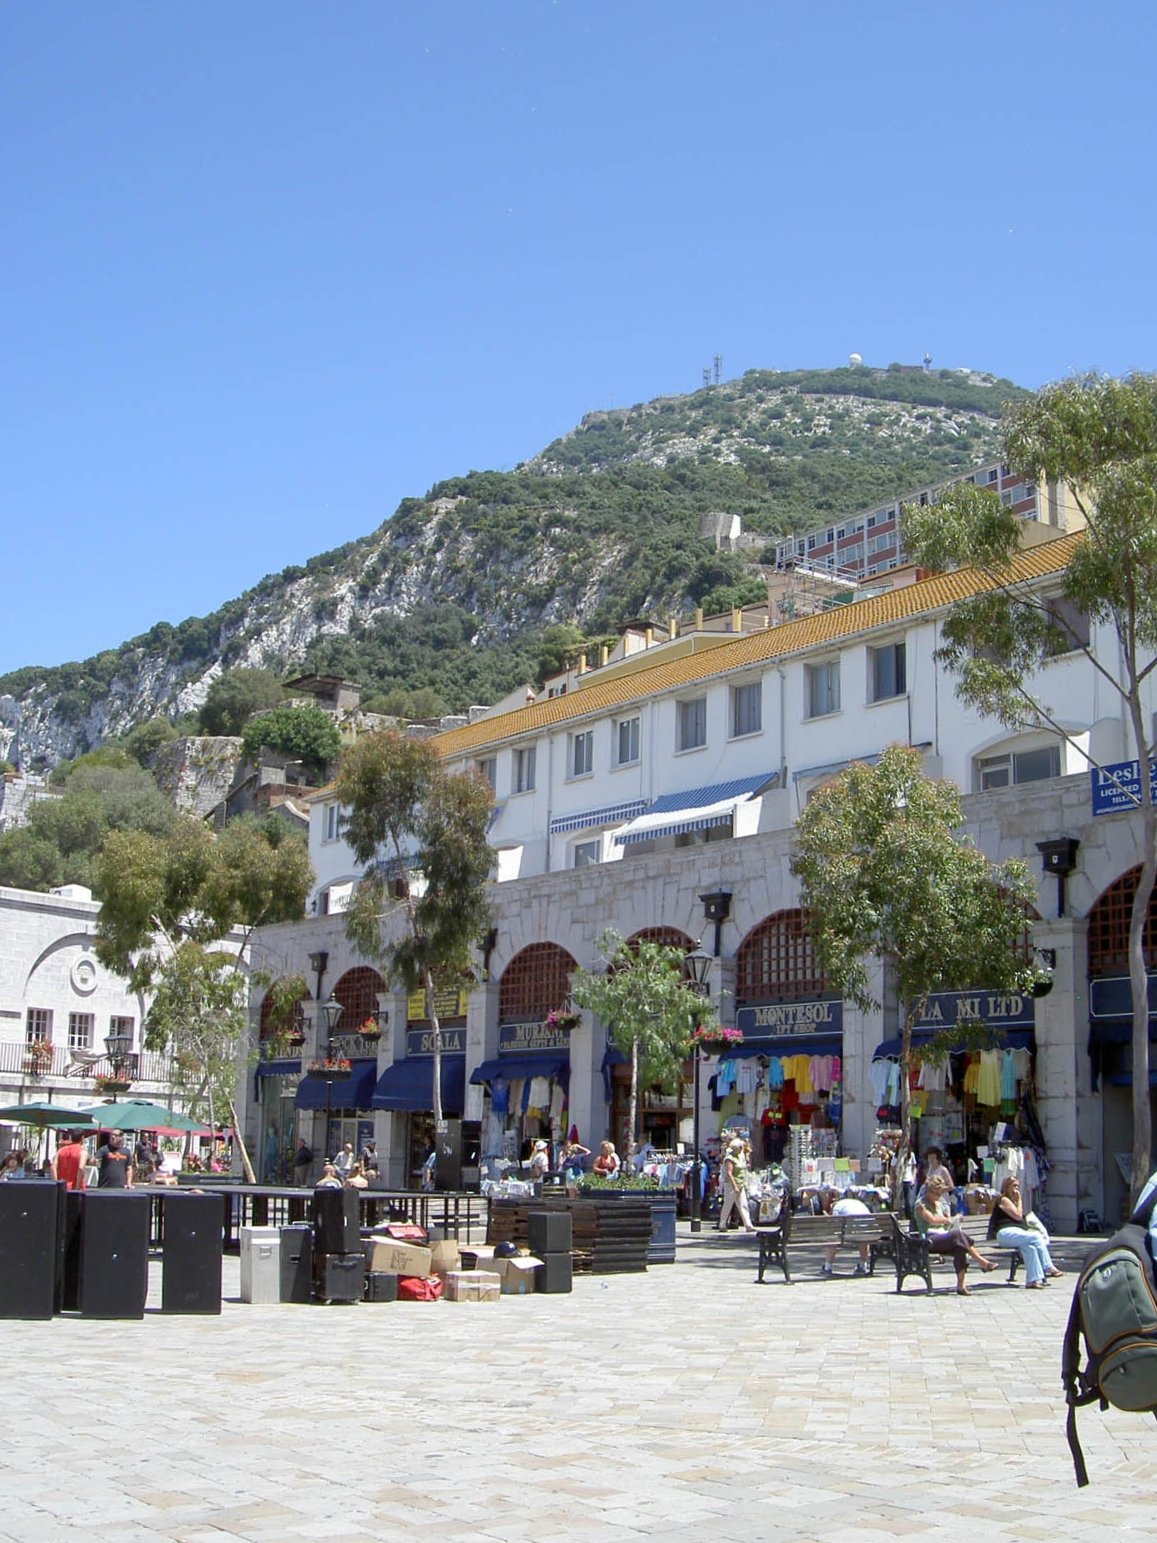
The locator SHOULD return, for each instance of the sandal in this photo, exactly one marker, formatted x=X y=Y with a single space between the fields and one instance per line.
x=987 y=1264
x=964 y=1291
x=1054 y=1273
x=1035 y=1285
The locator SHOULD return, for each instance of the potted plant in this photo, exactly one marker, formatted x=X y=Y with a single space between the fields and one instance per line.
x=294 y=1039
x=714 y=1039
x=560 y=1018
x=37 y=1057
x=370 y=1029
x=109 y=1082
x=331 y=1068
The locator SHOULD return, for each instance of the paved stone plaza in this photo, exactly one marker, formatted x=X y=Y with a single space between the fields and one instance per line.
x=685 y=1404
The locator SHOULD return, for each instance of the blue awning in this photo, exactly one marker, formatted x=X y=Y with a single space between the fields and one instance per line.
x=612 y=1058
x=1005 y=1039
x=611 y=814
x=674 y=814
x=352 y=1092
x=543 y=1063
x=1116 y=1031
x=409 y=1085
x=284 y=1067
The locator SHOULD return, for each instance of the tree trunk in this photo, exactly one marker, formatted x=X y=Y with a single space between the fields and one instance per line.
x=905 y=1146
x=246 y=1165
x=436 y=1037
x=632 y=1135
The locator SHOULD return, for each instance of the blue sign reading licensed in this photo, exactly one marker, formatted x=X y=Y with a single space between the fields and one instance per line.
x=1118 y=787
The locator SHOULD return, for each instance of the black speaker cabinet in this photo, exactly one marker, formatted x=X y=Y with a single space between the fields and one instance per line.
x=554 y=1274
x=191 y=1253
x=114 y=1253
x=335 y=1214
x=29 y=1247
x=381 y=1286
x=296 y=1264
x=548 y=1232
x=68 y=1274
x=339 y=1277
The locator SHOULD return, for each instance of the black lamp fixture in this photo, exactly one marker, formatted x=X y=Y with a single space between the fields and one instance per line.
x=717 y=908
x=696 y=975
x=118 y=1048
x=1059 y=856
x=489 y=944
x=333 y=1010
x=317 y=963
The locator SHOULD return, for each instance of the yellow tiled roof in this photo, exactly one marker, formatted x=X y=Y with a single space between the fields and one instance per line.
x=824 y=629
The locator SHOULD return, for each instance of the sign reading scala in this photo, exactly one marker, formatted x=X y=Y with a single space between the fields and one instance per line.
x=421 y=1042
x=782 y=1020
x=518 y=1038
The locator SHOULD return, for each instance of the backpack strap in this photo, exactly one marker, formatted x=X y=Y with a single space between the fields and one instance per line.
x=1142 y=1216
x=1074 y=1394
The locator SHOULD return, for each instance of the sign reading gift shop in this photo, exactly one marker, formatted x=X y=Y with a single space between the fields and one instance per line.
x=521 y=1038
x=791 y=1020
x=996 y=1009
x=421 y=1042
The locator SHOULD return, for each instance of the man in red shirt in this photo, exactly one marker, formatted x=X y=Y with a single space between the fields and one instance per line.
x=68 y=1165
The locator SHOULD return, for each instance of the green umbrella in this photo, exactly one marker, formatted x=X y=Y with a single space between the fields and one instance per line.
x=42 y=1115
x=139 y=1114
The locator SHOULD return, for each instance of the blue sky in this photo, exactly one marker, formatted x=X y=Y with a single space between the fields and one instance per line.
x=271 y=266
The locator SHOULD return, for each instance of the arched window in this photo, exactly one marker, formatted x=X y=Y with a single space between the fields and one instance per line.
x=294 y=1023
x=668 y=937
x=776 y=961
x=357 y=991
x=534 y=983
x=1109 y=928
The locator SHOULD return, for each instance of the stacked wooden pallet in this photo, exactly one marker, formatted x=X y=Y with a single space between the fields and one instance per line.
x=610 y=1234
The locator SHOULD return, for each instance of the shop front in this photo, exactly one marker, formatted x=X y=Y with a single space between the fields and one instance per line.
x=276 y=1088
x=977 y=1104
x=781 y=1086
x=406 y=1089
x=526 y=1092
x=343 y=1103
x=1111 y=1067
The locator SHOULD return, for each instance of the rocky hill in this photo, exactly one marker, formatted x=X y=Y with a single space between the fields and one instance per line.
x=454 y=591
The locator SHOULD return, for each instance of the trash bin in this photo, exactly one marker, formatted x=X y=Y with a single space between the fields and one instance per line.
x=261 y=1264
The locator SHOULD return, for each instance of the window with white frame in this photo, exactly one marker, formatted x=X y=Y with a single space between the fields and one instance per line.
x=691 y=723
x=582 y=753
x=746 y=709
x=331 y=828
x=121 y=1028
x=887 y=671
x=585 y=854
x=80 y=1030
x=1072 y=625
x=38 y=1024
x=822 y=688
x=1017 y=766
x=626 y=741
x=488 y=771
x=524 y=769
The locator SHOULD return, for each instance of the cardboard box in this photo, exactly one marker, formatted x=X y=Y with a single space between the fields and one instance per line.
x=473 y=1286
x=385 y=1256
x=517 y=1275
x=445 y=1257
x=478 y=1256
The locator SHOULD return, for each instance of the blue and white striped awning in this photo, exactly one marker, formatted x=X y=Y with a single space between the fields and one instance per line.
x=611 y=814
x=674 y=814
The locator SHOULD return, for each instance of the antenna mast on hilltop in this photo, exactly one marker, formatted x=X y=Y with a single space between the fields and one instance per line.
x=707 y=375
x=718 y=362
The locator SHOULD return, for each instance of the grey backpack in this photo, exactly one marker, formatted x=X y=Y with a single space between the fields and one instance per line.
x=1115 y=1312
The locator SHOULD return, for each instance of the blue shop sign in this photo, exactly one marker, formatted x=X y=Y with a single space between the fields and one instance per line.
x=789 y=1020
x=521 y=1038
x=997 y=1009
x=421 y=1041
x=1118 y=787
x=1112 y=997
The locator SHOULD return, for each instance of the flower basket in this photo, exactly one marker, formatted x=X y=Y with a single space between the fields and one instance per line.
x=563 y=1021
x=294 y=1039
x=332 y=1070
x=37 y=1057
x=111 y=1084
x=370 y=1029
x=714 y=1039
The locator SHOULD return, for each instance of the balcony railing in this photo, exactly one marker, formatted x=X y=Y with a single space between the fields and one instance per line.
x=83 y=1065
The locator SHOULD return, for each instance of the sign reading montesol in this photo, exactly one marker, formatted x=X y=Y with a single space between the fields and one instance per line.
x=783 y=1020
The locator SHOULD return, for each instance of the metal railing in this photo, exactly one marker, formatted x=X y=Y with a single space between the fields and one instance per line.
x=82 y=1065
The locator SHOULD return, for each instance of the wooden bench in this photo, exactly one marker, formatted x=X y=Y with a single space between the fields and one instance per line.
x=803 y=1230
x=912 y=1256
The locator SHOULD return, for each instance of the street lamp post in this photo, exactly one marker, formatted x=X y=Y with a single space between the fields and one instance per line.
x=696 y=970
x=333 y=1010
